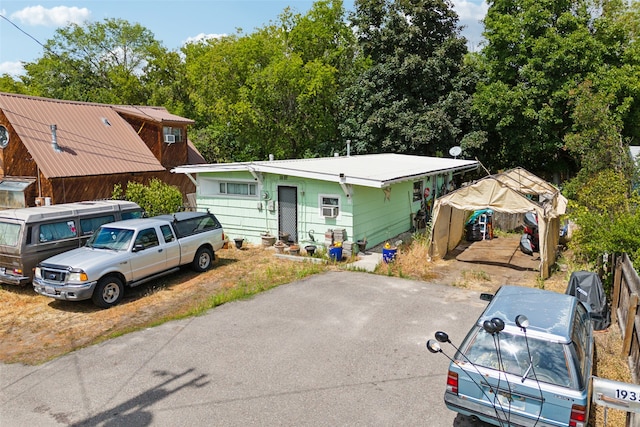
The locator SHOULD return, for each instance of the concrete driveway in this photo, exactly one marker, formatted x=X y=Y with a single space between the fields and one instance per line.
x=336 y=349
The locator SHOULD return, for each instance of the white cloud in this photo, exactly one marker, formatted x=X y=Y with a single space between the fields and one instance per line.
x=470 y=14
x=202 y=37
x=12 y=68
x=469 y=10
x=54 y=17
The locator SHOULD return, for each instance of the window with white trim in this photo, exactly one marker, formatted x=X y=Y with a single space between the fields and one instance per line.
x=417 y=191
x=232 y=188
x=238 y=188
x=176 y=132
x=329 y=206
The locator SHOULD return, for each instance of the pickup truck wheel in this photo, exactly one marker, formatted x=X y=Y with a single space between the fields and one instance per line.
x=203 y=260
x=108 y=292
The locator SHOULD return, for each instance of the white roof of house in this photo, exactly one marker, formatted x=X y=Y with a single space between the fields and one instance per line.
x=369 y=170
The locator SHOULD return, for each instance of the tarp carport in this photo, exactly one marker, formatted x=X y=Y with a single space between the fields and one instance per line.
x=514 y=191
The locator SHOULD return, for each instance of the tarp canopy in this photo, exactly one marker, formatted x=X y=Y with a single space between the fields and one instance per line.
x=514 y=191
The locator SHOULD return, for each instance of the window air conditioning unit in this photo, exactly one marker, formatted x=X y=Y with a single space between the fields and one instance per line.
x=330 y=211
x=169 y=138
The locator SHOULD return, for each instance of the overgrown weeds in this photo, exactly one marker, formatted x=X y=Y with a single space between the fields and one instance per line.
x=411 y=261
x=472 y=277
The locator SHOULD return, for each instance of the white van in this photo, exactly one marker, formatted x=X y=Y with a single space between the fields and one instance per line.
x=30 y=235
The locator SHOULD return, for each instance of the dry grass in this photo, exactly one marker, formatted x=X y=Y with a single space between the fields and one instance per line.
x=410 y=263
x=36 y=328
x=612 y=365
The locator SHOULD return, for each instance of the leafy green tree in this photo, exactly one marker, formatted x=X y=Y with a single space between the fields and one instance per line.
x=536 y=55
x=110 y=62
x=607 y=216
x=273 y=91
x=596 y=143
x=415 y=96
x=156 y=198
x=11 y=85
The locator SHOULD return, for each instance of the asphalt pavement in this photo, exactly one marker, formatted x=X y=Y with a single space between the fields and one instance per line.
x=337 y=349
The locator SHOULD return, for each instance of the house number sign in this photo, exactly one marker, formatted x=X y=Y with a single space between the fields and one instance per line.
x=616 y=395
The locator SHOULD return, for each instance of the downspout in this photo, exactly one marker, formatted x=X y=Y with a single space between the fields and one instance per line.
x=345 y=187
x=39 y=182
x=192 y=179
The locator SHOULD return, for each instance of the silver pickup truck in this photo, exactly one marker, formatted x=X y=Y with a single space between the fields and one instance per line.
x=129 y=253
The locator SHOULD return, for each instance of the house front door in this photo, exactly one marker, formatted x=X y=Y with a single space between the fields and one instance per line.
x=288 y=212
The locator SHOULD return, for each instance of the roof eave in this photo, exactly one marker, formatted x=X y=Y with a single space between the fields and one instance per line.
x=456 y=170
x=329 y=177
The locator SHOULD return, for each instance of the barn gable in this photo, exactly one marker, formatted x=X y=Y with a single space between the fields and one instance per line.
x=71 y=151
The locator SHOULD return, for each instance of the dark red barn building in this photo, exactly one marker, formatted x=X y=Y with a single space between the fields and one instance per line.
x=54 y=151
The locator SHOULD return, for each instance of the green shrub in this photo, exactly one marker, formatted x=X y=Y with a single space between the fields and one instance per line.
x=608 y=218
x=156 y=198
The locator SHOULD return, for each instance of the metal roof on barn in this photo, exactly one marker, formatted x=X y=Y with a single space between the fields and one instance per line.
x=94 y=139
x=369 y=170
x=153 y=114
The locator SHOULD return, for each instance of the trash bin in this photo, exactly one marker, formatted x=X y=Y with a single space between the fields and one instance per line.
x=335 y=254
x=388 y=255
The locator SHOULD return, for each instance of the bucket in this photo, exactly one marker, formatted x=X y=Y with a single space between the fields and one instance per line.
x=335 y=254
x=388 y=255
x=268 y=240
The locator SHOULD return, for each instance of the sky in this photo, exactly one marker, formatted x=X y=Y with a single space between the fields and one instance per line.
x=173 y=22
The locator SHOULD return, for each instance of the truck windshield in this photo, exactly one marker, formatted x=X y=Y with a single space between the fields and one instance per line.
x=117 y=239
x=9 y=233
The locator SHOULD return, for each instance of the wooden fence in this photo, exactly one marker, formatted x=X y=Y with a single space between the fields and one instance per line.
x=624 y=310
x=508 y=221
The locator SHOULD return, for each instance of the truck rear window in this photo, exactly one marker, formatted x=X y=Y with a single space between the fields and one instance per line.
x=196 y=225
x=131 y=215
x=9 y=233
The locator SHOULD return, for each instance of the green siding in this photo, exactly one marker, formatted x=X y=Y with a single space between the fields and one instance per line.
x=242 y=217
x=371 y=214
x=381 y=217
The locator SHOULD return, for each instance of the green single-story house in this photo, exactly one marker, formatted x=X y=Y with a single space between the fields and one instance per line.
x=371 y=197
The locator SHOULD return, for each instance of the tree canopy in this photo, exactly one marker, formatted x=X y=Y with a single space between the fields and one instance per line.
x=536 y=56
x=554 y=88
x=109 y=62
x=414 y=96
x=273 y=91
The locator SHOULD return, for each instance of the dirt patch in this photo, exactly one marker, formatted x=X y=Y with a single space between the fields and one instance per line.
x=37 y=328
x=488 y=264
